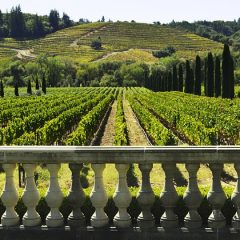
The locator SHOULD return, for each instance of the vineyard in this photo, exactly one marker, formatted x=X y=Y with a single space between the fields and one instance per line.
x=120 y=41
x=73 y=116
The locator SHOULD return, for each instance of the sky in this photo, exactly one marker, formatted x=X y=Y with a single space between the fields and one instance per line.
x=126 y=10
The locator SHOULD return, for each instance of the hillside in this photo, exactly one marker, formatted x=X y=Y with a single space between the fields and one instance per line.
x=117 y=39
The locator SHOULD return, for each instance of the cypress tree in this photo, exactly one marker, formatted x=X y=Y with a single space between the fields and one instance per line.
x=210 y=76
x=191 y=88
x=180 y=78
x=169 y=81
x=218 y=84
x=175 y=78
x=37 y=84
x=16 y=89
x=188 y=78
x=205 y=77
x=29 y=87
x=228 y=74
x=231 y=82
x=1 y=89
x=197 y=85
x=44 y=85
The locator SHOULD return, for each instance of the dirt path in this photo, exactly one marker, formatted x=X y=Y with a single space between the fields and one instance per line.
x=135 y=133
x=108 y=135
x=24 y=53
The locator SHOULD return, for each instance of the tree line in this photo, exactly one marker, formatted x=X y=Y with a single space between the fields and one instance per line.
x=216 y=74
x=212 y=76
x=17 y=24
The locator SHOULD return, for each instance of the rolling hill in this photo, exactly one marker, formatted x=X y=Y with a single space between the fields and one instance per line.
x=120 y=41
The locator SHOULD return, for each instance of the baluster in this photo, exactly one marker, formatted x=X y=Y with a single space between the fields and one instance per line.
x=76 y=197
x=99 y=197
x=30 y=198
x=236 y=199
x=122 y=198
x=216 y=198
x=169 y=198
x=54 y=198
x=146 y=198
x=192 y=198
x=9 y=197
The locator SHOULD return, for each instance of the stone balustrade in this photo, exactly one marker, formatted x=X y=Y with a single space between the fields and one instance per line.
x=98 y=157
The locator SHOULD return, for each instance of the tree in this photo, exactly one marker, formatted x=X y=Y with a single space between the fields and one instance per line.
x=54 y=19
x=38 y=29
x=180 y=78
x=191 y=87
x=1 y=89
x=16 y=92
x=16 y=23
x=169 y=82
x=66 y=20
x=29 y=87
x=175 y=78
x=1 y=18
x=37 y=84
x=210 y=75
x=188 y=78
x=103 y=19
x=97 y=44
x=44 y=84
x=228 y=74
x=218 y=84
x=197 y=85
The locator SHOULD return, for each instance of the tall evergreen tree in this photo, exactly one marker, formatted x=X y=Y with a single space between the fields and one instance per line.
x=38 y=29
x=187 y=88
x=191 y=85
x=1 y=89
x=169 y=82
x=16 y=92
x=17 y=26
x=44 y=84
x=197 y=85
x=66 y=20
x=1 y=18
x=29 y=87
x=180 y=78
x=175 y=79
x=218 y=84
x=210 y=76
x=228 y=73
x=205 y=76
x=54 y=19
x=37 y=84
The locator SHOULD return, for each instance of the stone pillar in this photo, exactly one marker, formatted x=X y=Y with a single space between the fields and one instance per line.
x=122 y=198
x=9 y=197
x=99 y=197
x=76 y=197
x=30 y=198
x=169 y=198
x=54 y=198
x=192 y=198
x=236 y=199
x=146 y=198
x=216 y=198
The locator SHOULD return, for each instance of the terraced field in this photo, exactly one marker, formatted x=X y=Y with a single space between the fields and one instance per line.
x=74 y=42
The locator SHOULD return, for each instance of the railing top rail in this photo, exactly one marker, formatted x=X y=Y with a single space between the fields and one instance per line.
x=129 y=154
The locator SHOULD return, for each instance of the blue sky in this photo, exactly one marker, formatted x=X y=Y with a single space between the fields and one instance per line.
x=139 y=10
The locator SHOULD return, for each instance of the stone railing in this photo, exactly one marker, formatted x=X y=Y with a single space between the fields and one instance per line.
x=53 y=157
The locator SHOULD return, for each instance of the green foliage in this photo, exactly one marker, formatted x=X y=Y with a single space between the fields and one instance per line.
x=97 y=44
x=1 y=89
x=168 y=51
x=210 y=76
x=198 y=77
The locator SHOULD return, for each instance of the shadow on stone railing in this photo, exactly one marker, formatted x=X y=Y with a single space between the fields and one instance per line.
x=147 y=211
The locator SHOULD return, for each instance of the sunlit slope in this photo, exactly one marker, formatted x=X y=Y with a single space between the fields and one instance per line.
x=75 y=42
